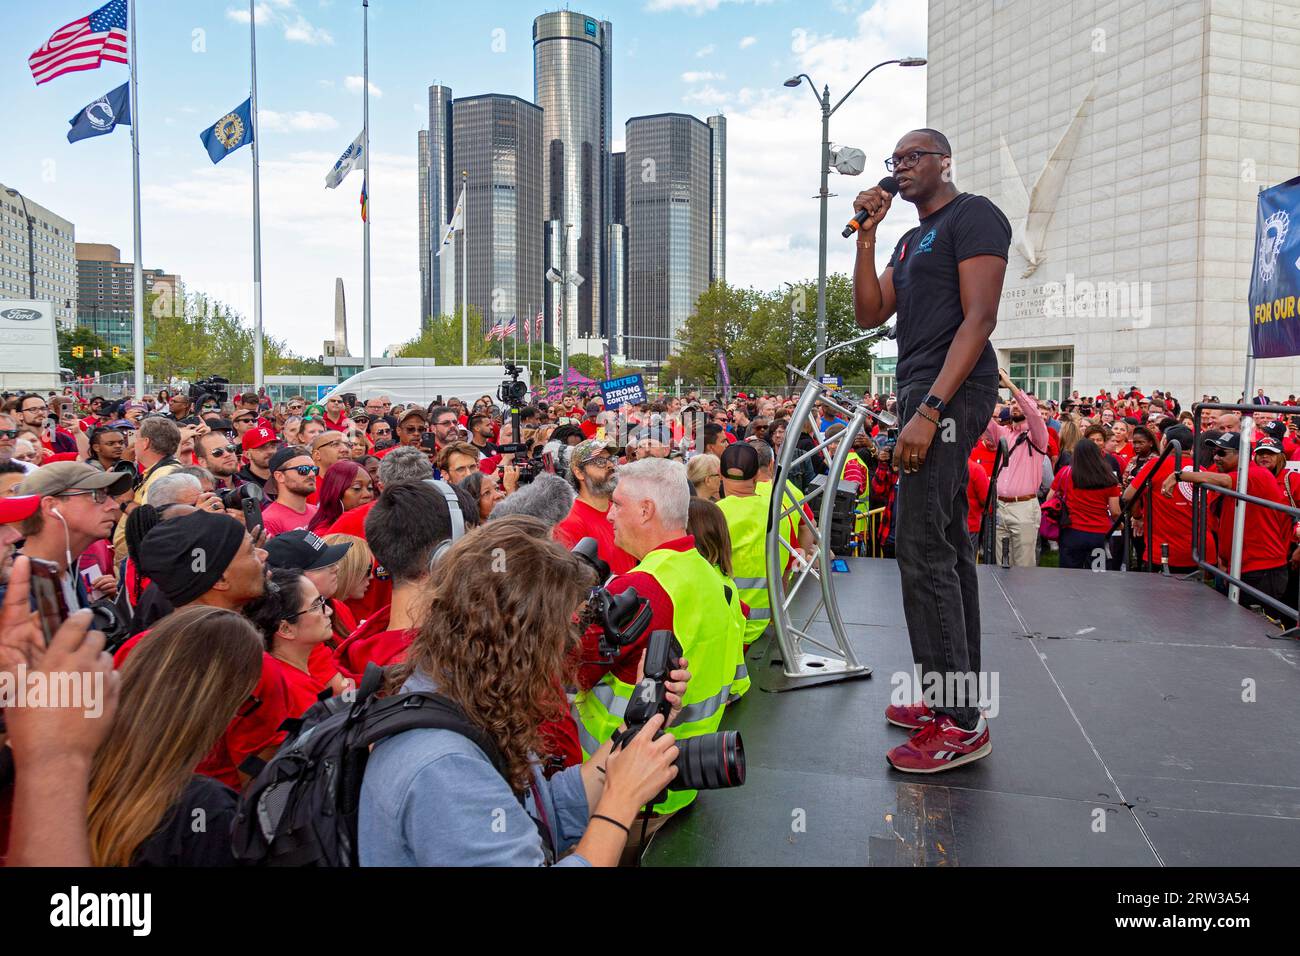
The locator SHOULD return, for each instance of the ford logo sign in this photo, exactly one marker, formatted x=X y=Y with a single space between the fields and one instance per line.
x=20 y=315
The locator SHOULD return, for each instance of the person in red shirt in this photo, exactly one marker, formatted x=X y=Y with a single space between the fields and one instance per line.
x=1268 y=533
x=1090 y=492
x=591 y=472
x=405 y=528
x=294 y=474
x=1270 y=455
x=977 y=495
x=590 y=423
x=1171 y=512
x=294 y=620
x=336 y=417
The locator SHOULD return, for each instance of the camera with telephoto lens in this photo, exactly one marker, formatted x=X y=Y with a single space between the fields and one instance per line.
x=707 y=762
x=623 y=618
x=232 y=499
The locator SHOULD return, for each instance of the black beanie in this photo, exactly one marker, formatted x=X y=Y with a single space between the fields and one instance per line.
x=187 y=555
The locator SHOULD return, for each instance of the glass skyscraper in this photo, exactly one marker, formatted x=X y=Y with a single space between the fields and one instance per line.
x=670 y=215
x=497 y=139
x=572 y=78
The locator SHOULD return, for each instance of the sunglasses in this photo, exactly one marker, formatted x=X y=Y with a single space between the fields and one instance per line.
x=8 y=433
x=222 y=450
x=304 y=470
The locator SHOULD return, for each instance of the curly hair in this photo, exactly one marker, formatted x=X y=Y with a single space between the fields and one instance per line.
x=499 y=640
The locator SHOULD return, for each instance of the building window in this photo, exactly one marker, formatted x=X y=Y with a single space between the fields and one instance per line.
x=1043 y=373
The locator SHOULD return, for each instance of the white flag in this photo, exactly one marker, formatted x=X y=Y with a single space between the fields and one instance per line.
x=457 y=221
x=349 y=161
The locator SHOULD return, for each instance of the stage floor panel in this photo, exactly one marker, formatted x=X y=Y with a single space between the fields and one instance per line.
x=1121 y=738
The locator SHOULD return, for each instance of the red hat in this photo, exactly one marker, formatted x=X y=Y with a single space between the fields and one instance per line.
x=257 y=437
x=18 y=507
x=62 y=456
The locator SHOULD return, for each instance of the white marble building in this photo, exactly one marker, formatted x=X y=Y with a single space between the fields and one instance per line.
x=1126 y=142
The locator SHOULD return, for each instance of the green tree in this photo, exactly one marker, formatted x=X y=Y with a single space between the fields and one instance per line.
x=440 y=339
x=87 y=365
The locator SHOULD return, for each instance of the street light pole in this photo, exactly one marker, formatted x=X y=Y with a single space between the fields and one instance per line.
x=824 y=100
x=31 y=243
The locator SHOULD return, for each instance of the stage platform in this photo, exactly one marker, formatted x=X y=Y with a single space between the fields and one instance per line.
x=1122 y=739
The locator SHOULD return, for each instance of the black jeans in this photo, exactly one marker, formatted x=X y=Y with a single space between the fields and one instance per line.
x=1081 y=549
x=936 y=559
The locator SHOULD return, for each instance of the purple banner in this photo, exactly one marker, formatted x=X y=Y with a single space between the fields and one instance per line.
x=723 y=374
x=1275 y=279
x=608 y=372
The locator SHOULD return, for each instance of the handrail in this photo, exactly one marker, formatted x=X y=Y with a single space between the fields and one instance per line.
x=1125 y=518
x=988 y=524
x=1200 y=502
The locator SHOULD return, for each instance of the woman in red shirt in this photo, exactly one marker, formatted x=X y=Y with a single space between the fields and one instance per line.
x=294 y=619
x=1091 y=492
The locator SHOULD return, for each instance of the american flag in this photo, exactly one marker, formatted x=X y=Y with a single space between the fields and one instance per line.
x=511 y=329
x=539 y=323
x=83 y=44
x=494 y=332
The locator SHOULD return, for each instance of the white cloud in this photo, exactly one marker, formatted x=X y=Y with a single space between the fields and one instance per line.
x=695 y=7
x=309 y=236
x=353 y=85
x=747 y=42
x=301 y=121
x=284 y=14
x=705 y=50
x=701 y=76
x=772 y=130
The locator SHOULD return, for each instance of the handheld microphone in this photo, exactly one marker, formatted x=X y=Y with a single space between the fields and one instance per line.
x=890 y=185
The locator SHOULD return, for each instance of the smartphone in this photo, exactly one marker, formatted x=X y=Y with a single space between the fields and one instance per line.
x=47 y=589
x=252 y=514
x=428 y=441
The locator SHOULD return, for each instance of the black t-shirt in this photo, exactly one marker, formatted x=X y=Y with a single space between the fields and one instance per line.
x=928 y=288
x=186 y=837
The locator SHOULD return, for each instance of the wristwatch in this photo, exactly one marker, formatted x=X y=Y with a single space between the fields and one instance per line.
x=935 y=402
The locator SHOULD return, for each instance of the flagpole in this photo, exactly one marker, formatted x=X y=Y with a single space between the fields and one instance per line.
x=365 y=158
x=464 y=267
x=258 y=378
x=137 y=292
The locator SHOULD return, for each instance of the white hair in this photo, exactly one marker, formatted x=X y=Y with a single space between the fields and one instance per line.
x=662 y=481
x=173 y=489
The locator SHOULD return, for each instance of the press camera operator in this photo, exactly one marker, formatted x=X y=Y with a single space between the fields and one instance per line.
x=649 y=511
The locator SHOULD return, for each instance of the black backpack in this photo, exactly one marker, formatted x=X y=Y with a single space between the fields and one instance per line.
x=301 y=810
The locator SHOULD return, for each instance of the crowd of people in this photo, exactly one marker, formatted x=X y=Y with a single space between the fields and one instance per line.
x=252 y=560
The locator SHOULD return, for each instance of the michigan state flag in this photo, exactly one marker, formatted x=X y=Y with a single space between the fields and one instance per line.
x=102 y=116
x=232 y=131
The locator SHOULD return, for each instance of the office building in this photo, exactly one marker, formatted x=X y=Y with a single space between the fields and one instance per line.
x=106 y=292
x=1126 y=143
x=572 y=83
x=439 y=187
x=45 y=257
x=669 y=212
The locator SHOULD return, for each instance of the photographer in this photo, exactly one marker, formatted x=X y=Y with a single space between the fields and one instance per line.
x=497 y=646
x=592 y=473
x=649 y=511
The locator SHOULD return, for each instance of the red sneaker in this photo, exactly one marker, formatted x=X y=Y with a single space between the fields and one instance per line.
x=909 y=716
x=941 y=745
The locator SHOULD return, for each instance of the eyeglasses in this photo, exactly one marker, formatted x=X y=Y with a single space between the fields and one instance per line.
x=1220 y=453
x=316 y=605
x=97 y=495
x=36 y=408
x=600 y=460
x=304 y=470
x=244 y=419
x=910 y=160
x=383 y=431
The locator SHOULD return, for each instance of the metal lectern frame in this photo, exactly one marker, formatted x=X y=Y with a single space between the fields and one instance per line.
x=833 y=659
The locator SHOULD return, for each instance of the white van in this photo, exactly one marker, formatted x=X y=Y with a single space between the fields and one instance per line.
x=424 y=384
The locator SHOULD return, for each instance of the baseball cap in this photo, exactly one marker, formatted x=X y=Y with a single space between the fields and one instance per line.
x=304 y=550
x=1268 y=444
x=585 y=451
x=414 y=410
x=1230 y=441
x=1275 y=429
x=286 y=454
x=257 y=437
x=314 y=411
x=58 y=477
x=221 y=425
x=18 y=508
x=1004 y=415
x=122 y=423
x=740 y=461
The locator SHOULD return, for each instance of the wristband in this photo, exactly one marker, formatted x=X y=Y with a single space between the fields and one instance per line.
x=601 y=816
x=920 y=411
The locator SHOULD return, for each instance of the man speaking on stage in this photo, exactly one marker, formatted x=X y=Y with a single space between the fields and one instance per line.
x=944 y=280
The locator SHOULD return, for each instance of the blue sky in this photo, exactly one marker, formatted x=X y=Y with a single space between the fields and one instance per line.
x=697 y=56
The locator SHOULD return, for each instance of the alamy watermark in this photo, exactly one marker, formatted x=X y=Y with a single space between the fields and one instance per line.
x=953 y=689
x=76 y=690
x=1080 y=298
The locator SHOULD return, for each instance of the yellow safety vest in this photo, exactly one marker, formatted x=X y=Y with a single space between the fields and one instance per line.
x=740 y=683
x=864 y=493
x=747 y=524
x=699 y=604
